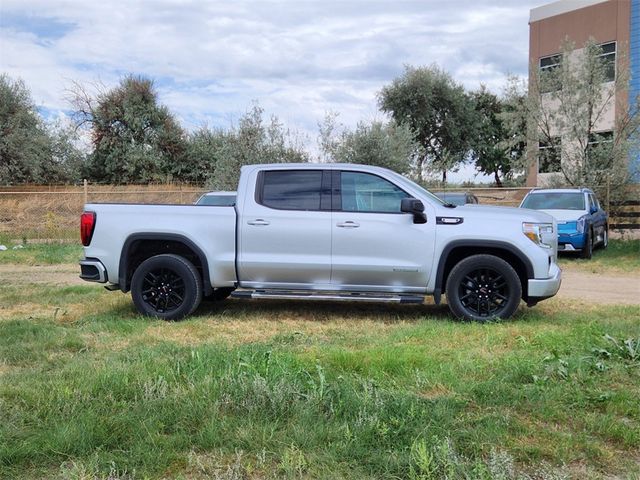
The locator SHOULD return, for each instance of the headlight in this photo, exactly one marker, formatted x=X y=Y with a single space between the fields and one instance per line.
x=534 y=232
x=581 y=223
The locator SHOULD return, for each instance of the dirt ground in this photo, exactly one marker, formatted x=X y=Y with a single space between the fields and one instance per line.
x=608 y=288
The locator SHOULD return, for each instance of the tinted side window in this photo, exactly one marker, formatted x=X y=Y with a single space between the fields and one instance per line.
x=363 y=192
x=292 y=190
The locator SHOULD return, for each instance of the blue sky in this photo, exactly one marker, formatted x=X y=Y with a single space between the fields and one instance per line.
x=299 y=59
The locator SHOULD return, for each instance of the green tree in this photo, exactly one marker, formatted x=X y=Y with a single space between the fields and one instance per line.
x=219 y=154
x=134 y=138
x=495 y=146
x=386 y=145
x=24 y=142
x=439 y=113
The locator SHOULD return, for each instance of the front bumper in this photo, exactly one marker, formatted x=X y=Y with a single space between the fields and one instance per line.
x=571 y=241
x=92 y=270
x=540 y=289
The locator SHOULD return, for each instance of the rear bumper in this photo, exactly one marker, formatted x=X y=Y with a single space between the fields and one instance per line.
x=539 y=289
x=92 y=270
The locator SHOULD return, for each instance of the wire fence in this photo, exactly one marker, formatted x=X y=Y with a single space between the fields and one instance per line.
x=50 y=213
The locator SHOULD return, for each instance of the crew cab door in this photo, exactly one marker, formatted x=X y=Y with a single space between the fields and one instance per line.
x=374 y=245
x=285 y=230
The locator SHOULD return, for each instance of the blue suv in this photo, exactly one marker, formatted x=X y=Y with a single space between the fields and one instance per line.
x=582 y=223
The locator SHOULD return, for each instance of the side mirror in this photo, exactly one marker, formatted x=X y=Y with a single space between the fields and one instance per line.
x=415 y=207
x=594 y=209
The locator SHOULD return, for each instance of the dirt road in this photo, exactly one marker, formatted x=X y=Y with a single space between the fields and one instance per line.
x=607 y=288
x=613 y=288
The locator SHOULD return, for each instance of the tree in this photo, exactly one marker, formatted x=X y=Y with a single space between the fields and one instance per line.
x=495 y=146
x=438 y=112
x=134 y=138
x=220 y=154
x=566 y=106
x=385 y=145
x=24 y=143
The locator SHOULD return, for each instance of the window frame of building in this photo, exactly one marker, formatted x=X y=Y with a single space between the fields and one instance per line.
x=609 y=59
x=599 y=138
x=557 y=58
x=555 y=145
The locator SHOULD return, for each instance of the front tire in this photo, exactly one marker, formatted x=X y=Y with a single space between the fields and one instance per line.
x=587 y=250
x=482 y=288
x=166 y=286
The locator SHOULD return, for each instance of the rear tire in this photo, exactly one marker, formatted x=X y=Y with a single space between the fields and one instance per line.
x=482 y=288
x=605 y=237
x=166 y=286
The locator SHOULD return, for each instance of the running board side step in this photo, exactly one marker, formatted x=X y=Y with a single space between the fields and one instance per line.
x=330 y=296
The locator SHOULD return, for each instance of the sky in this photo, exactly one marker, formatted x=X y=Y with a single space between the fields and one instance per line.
x=298 y=59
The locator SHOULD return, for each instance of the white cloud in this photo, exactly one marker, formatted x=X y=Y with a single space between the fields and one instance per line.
x=298 y=58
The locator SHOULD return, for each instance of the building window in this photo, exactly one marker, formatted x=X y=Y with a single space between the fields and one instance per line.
x=599 y=147
x=608 y=57
x=549 y=156
x=549 y=75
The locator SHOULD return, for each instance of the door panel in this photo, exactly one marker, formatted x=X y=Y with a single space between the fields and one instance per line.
x=374 y=245
x=285 y=231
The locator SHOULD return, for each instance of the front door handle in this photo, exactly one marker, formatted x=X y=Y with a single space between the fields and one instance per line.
x=258 y=222
x=348 y=224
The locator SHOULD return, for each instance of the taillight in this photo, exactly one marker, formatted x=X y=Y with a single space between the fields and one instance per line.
x=87 y=225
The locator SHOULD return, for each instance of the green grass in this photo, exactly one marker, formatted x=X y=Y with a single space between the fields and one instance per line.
x=88 y=389
x=41 y=253
x=622 y=255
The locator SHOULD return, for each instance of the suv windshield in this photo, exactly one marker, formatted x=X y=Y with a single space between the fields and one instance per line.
x=554 y=201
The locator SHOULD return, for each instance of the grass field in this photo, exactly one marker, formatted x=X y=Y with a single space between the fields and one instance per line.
x=89 y=389
x=620 y=255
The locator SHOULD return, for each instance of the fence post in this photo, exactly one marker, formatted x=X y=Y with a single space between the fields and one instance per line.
x=86 y=191
x=608 y=194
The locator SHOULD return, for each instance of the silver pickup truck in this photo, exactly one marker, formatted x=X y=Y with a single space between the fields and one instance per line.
x=323 y=232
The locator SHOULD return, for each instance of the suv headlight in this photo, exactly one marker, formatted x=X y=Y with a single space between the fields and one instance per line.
x=534 y=232
x=581 y=223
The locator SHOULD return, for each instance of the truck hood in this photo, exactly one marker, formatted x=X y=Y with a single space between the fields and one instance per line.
x=489 y=212
x=565 y=215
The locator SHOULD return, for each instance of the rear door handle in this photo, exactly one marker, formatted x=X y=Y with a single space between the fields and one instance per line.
x=258 y=222
x=348 y=224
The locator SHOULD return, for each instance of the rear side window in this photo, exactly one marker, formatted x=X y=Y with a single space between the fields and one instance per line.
x=291 y=189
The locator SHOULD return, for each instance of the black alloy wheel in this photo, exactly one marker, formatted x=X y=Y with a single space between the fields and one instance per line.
x=483 y=287
x=163 y=290
x=166 y=286
x=484 y=292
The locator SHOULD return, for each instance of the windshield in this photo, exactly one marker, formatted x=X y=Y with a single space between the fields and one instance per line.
x=554 y=201
x=422 y=190
x=454 y=197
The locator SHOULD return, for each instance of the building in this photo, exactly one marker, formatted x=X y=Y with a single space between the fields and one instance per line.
x=615 y=26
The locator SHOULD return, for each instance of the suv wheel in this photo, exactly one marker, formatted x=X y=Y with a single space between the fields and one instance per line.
x=483 y=287
x=605 y=237
x=166 y=286
x=587 y=250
